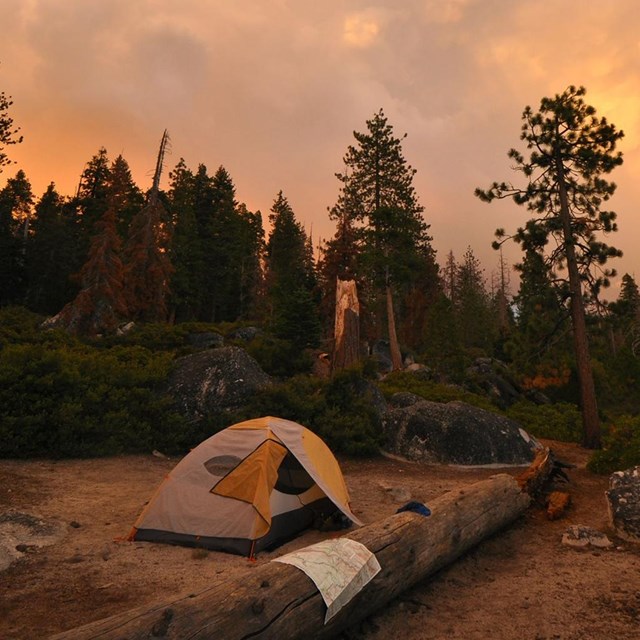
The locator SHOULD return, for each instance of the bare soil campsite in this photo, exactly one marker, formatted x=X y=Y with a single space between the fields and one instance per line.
x=72 y=567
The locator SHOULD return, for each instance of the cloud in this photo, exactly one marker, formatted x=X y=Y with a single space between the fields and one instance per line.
x=360 y=30
x=273 y=89
x=445 y=11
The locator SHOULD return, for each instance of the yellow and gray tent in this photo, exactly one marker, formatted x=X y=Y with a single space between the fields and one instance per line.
x=249 y=487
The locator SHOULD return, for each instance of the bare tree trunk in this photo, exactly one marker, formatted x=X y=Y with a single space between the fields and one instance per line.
x=394 y=348
x=346 y=350
x=588 y=403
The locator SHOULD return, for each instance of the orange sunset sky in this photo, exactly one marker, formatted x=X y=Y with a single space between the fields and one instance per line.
x=273 y=89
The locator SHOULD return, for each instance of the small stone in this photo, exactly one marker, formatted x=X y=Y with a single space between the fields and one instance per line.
x=399 y=494
x=77 y=558
x=75 y=524
x=579 y=536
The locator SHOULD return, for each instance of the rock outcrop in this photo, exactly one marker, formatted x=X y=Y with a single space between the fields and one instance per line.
x=623 y=498
x=205 y=340
x=454 y=433
x=215 y=380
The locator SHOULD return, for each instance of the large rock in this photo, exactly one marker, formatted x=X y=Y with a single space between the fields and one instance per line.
x=205 y=340
x=245 y=334
x=454 y=433
x=370 y=391
x=215 y=380
x=491 y=377
x=623 y=497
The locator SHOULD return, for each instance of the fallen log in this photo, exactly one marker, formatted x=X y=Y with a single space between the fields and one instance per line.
x=275 y=600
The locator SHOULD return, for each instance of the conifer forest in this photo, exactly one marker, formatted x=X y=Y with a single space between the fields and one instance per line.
x=100 y=289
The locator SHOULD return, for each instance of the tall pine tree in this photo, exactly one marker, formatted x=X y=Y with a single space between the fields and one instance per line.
x=148 y=267
x=571 y=149
x=186 y=251
x=101 y=306
x=538 y=347
x=377 y=194
x=473 y=305
x=16 y=200
x=8 y=131
x=51 y=242
x=290 y=279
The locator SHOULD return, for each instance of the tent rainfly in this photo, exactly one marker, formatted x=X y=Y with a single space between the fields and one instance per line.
x=249 y=487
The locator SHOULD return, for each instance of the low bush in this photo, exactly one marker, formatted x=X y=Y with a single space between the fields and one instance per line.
x=621 y=446
x=339 y=410
x=433 y=391
x=76 y=401
x=279 y=358
x=559 y=421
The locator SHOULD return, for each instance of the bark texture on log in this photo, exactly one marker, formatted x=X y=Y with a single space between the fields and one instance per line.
x=275 y=600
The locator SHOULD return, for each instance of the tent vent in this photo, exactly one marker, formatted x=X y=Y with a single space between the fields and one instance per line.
x=221 y=465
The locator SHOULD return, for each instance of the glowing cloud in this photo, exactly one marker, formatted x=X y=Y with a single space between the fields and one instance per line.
x=360 y=31
x=445 y=11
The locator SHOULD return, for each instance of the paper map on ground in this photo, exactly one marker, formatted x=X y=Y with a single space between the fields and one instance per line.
x=339 y=568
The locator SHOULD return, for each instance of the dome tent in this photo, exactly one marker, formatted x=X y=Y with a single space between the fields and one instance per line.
x=247 y=488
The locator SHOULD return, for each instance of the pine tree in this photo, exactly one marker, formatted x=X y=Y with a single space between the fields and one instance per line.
x=570 y=151
x=538 y=346
x=16 y=200
x=93 y=189
x=148 y=267
x=441 y=340
x=377 y=193
x=421 y=291
x=100 y=306
x=628 y=302
x=8 y=131
x=186 y=252
x=133 y=198
x=624 y=315
x=473 y=305
x=501 y=308
x=449 y=276
x=91 y=203
x=294 y=309
x=51 y=243
x=249 y=257
x=203 y=210
x=221 y=249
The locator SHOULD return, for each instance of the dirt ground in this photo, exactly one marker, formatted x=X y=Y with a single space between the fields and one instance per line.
x=521 y=583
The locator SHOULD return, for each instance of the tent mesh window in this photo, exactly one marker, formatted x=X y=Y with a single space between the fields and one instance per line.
x=293 y=478
x=219 y=466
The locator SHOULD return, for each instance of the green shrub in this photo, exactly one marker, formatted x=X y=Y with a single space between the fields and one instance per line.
x=20 y=326
x=300 y=399
x=160 y=336
x=621 y=446
x=434 y=391
x=279 y=358
x=350 y=423
x=339 y=410
x=69 y=402
x=559 y=421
